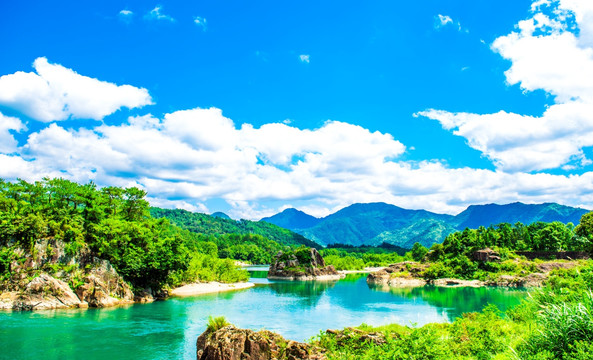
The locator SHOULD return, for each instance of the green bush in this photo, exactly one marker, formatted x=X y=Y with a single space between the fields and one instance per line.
x=216 y=323
x=436 y=271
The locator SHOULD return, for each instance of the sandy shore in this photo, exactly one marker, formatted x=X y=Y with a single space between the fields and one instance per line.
x=208 y=288
x=365 y=270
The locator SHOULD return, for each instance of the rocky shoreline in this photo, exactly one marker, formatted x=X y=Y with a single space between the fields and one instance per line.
x=408 y=274
x=88 y=282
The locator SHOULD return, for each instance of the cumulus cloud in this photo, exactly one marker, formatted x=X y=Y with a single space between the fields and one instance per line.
x=187 y=157
x=8 y=143
x=550 y=51
x=54 y=93
x=305 y=58
x=156 y=14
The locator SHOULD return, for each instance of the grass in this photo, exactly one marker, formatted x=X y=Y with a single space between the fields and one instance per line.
x=216 y=323
x=565 y=329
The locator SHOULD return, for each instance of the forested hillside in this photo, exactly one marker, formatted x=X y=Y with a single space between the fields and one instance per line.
x=211 y=225
x=110 y=223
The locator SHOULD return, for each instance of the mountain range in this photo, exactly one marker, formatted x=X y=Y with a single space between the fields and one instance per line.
x=375 y=223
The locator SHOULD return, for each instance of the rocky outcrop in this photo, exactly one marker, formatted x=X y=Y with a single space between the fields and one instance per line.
x=42 y=293
x=103 y=287
x=51 y=278
x=486 y=255
x=402 y=274
x=302 y=264
x=231 y=343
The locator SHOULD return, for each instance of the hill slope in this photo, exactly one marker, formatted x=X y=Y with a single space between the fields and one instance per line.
x=212 y=225
x=374 y=223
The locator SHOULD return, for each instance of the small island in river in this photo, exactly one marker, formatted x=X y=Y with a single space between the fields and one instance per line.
x=302 y=264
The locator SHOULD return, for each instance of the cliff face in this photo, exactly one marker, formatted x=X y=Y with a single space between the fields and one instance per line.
x=51 y=278
x=231 y=343
x=302 y=264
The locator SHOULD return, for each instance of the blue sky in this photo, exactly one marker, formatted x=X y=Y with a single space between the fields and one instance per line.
x=251 y=107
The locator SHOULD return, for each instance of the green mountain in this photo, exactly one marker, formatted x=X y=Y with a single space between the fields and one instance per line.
x=292 y=219
x=375 y=223
x=221 y=215
x=484 y=215
x=213 y=225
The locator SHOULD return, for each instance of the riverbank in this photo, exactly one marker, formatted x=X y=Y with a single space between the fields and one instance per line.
x=412 y=274
x=208 y=288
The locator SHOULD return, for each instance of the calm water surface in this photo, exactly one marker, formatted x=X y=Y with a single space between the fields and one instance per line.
x=168 y=329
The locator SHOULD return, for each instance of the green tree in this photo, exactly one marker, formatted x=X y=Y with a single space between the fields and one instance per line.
x=418 y=251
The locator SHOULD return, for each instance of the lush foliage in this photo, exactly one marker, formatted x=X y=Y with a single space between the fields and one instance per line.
x=357 y=258
x=110 y=223
x=455 y=256
x=472 y=336
x=210 y=225
x=538 y=236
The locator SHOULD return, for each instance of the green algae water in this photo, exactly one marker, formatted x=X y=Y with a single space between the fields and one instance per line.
x=169 y=329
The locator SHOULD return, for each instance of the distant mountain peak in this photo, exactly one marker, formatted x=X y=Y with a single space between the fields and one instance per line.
x=221 y=215
x=292 y=218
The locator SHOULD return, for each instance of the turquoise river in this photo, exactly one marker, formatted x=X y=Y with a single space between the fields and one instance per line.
x=297 y=310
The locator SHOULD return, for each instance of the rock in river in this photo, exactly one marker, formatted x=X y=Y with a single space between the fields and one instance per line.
x=302 y=264
x=231 y=343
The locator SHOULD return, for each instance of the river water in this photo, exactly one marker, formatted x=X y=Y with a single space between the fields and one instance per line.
x=169 y=329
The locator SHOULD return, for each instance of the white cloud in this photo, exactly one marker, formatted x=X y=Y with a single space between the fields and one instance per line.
x=440 y=21
x=8 y=143
x=191 y=156
x=178 y=204
x=546 y=52
x=56 y=93
x=155 y=14
x=201 y=22
x=126 y=15
x=525 y=143
x=305 y=58
x=443 y=20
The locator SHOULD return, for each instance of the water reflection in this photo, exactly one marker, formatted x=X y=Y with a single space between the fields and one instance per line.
x=309 y=292
x=455 y=301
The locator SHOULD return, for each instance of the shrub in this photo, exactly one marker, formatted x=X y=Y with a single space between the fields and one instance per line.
x=436 y=271
x=216 y=323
